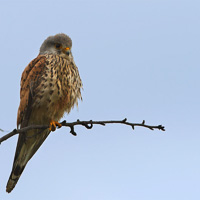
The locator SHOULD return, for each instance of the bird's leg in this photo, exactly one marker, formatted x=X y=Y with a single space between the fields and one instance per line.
x=53 y=124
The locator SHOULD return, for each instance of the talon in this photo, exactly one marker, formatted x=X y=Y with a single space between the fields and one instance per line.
x=53 y=124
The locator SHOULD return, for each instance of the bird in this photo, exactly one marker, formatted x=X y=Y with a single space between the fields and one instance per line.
x=50 y=86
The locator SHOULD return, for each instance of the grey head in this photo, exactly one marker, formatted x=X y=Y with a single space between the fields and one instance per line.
x=59 y=44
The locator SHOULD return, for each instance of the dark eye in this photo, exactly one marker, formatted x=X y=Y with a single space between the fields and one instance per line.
x=58 y=46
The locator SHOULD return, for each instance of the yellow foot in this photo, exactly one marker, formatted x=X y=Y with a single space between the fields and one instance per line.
x=53 y=124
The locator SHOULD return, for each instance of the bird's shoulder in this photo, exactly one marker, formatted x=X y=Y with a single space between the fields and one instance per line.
x=33 y=69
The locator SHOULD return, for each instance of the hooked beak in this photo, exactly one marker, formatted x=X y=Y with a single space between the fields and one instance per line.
x=67 y=50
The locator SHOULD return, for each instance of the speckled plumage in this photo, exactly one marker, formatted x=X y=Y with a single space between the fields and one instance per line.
x=50 y=86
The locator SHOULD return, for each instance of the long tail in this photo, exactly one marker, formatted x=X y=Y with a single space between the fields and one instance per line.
x=28 y=144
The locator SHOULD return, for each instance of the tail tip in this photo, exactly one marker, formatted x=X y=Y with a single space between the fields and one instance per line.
x=10 y=185
x=8 y=190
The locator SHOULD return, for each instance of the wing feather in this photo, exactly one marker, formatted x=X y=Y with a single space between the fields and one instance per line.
x=26 y=147
x=29 y=80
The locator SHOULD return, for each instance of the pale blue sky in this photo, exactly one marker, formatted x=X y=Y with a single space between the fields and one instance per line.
x=137 y=59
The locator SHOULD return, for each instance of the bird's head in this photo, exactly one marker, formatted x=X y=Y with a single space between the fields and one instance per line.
x=59 y=44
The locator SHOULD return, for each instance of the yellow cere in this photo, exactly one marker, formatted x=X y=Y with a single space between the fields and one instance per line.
x=67 y=48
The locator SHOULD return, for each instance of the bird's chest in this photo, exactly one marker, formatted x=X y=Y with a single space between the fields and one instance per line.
x=57 y=87
x=57 y=90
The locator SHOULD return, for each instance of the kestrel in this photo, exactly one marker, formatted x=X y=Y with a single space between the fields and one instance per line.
x=50 y=86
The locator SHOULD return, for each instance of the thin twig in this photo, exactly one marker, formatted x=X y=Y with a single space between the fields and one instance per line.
x=86 y=124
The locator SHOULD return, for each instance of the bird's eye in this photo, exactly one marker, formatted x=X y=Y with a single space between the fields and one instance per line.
x=58 y=46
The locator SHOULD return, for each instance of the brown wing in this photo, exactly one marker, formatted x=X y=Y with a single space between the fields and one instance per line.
x=28 y=82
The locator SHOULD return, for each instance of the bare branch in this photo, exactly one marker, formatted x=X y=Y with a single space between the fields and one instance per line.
x=86 y=124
